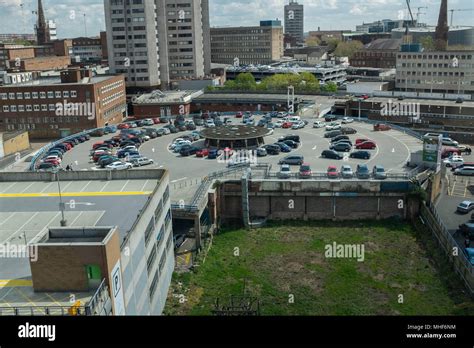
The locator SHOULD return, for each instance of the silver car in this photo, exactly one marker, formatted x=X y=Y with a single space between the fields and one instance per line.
x=465 y=207
x=285 y=172
x=346 y=172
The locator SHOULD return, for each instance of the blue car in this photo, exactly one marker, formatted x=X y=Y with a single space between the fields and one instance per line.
x=470 y=255
x=283 y=147
x=213 y=154
x=111 y=129
x=124 y=154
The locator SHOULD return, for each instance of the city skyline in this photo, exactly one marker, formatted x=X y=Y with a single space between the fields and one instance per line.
x=69 y=15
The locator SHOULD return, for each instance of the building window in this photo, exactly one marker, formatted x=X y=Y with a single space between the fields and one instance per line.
x=44 y=107
x=21 y=108
x=73 y=94
x=50 y=95
x=19 y=96
x=27 y=95
x=13 y=108
x=42 y=95
x=11 y=96
x=58 y=94
x=6 y=108
x=66 y=94
x=52 y=107
x=34 y=95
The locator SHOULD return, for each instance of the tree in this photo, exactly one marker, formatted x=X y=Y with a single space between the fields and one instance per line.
x=332 y=44
x=348 y=48
x=245 y=81
x=312 y=41
x=427 y=42
x=330 y=87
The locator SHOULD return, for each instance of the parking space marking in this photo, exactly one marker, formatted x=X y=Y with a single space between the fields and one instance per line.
x=8 y=187
x=88 y=183
x=125 y=185
x=47 y=187
x=53 y=300
x=106 y=184
x=75 y=194
x=27 y=187
x=144 y=185
x=77 y=217
x=26 y=298
x=100 y=217
x=21 y=227
x=46 y=226
x=8 y=218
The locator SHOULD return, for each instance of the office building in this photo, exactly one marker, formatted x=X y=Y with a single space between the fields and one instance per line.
x=55 y=107
x=384 y=25
x=247 y=45
x=436 y=71
x=381 y=53
x=154 y=42
x=294 y=21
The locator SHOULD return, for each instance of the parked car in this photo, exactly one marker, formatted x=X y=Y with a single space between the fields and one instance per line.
x=464 y=171
x=346 y=172
x=283 y=147
x=127 y=154
x=47 y=167
x=339 y=138
x=291 y=143
x=381 y=127
x=285 y=172
x=346 y=120
x=379 y=173
x=209 y=123
x=202 y=153
x=332 y=172
x=272 y=149
x=188 y=150
x=123 y=126
x=348 y=130
x=104 y=162
x=286 y=125
x=332 y=134
x=295 y=138
x=465 y=207
x=454 y=161
x=298 y=125
x=119 y=166
x=362 y=171
x=367 y=145
x=333 y=126
x=213 y=154
x=330 y=118
x=142 y=161
x=305 y=171
x=467 y=230
x=319 y=124
x=450 y=142
x=292 y=160
x=331 y=154
x=341 y=146
x=469 y=251
x=360 y=155
x=261 y=152
x=278 y=124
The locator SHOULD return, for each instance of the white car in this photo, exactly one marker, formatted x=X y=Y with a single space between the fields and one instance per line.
x=298 y=125
x=319 y=124
x=130 y=148
x=454 y=162
x=333 y=126
x=143 y=161
x=278 y=124
x=148 y=122
x=166 y=130
x=119 y=166
x=270 y=131
x=346 y=120
x=210 y=123
x=179 y=143
x=467 y=171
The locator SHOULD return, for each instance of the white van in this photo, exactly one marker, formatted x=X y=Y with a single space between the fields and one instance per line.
x=319 y=124
x=294 y=119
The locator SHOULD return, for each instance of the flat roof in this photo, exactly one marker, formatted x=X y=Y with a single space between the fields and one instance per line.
x=28 y=209
x=434 y=102
x=167 y=97
x=56 y=80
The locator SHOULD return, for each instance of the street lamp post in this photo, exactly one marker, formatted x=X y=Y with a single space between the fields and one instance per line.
x=359 y=108
x=61 y=203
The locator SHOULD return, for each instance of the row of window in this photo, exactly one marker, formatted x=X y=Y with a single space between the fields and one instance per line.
x=433 y=56
x=40 y=120
x=433 y=65
x=437 y=82
x=35 y=95
x=111 y=86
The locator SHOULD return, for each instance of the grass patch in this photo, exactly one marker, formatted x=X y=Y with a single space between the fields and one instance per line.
x=287 y=260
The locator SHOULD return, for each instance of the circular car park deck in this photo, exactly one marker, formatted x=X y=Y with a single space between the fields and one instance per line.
x=234 y=136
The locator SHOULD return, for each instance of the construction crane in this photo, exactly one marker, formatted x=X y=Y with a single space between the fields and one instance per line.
x=418 y=13
x=407 y=30
x=458 y=10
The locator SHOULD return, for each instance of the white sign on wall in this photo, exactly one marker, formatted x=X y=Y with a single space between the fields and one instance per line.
x=117 y=290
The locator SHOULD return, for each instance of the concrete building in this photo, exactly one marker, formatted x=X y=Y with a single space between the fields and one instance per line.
x=294 y=20
x=438 y=72
x=152 y=42
x=55 y=107
x=326 y=35
x=250 y=45
x=384 y=25
x=381 y=53
x=457 y=36
x=87 y=50
x=13 y=142
x=113 y=261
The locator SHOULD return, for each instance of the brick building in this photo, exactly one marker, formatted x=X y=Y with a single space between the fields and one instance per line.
x=58 y=106
x=381 y=53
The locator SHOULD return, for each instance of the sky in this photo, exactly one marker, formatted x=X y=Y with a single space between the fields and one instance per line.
x=325 y=14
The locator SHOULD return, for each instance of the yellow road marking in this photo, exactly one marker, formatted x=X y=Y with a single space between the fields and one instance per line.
x=75 y=194
x=53 y=300
x=13 y=283
x=188 y=258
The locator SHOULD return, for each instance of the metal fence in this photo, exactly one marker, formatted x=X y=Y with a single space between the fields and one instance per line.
x=448 y=244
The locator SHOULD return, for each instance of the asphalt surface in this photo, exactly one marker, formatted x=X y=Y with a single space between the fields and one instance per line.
x=393 y=152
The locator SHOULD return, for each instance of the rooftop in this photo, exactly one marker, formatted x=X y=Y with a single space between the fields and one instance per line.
x=29 y=208
x=234 y=132
x=56 y=80
x=167 y=97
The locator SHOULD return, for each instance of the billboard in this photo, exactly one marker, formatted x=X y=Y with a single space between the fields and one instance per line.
x=432 y=147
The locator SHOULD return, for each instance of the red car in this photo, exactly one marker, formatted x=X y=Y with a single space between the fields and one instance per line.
x=361 y=140
x=52 y=161
x=156 y=120
x=305 y=171
x=98 y=154
x=381 y=127
x=333 y=173
x=366 y=145
x=364 y=96
x=239 y=114
x=98 y=144
x=68 y=146
x=286 y=125
x=202 y=153
x=123 y=126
